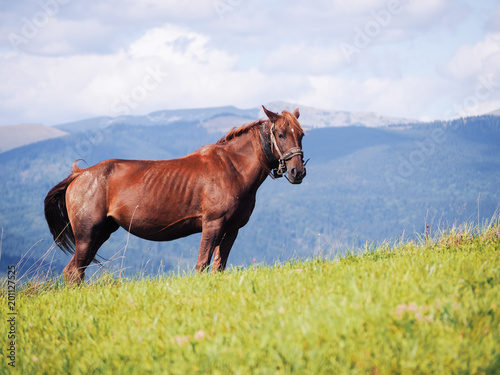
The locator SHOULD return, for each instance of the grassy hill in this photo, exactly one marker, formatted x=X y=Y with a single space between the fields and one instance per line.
x=429 y=306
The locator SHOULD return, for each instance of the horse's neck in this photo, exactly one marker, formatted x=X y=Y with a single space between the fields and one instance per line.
x=247 y=160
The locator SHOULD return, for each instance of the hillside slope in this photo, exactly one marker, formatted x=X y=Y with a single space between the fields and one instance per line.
x=426 y=307
x=13 y=136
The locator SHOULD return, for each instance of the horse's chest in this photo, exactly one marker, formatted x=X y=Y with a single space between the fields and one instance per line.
x=242 y=209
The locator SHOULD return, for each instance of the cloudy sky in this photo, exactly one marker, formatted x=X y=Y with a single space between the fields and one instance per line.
x=65 y=60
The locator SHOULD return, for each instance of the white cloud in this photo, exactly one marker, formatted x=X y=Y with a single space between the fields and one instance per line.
x=406 y=97
x=473 y=73
x=168 y=67
x=178 y=46
x=473 y=60
x=425 y=9
x=178 y=61
x=91 y=59
x=144 y=10
x=304 y=58
x=494 y=21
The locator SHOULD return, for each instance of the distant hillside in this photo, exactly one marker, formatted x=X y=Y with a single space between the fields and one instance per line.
x=495 y=113
x=215 y=120
x=224 y=118
x=13 y=136
x=362 y=184
x=166 y=117
x=313 y=118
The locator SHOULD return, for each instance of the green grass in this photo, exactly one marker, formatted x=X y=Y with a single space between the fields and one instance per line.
x=430 y=306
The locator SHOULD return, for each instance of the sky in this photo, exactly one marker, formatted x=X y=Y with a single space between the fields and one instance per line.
x=66 y=60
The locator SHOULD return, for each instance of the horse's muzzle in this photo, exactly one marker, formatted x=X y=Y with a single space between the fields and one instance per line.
x=295 y=176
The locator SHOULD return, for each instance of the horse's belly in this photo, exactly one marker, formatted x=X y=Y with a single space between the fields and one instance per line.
x=164 y=231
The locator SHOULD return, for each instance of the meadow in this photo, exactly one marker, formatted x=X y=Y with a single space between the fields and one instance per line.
x=425 y=306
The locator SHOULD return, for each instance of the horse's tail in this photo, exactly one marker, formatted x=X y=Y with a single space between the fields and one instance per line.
x=56 y=213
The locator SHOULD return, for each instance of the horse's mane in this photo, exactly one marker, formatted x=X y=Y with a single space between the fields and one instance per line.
x=236 y=132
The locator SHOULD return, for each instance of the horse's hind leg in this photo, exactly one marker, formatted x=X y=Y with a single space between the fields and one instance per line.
x=87 y=242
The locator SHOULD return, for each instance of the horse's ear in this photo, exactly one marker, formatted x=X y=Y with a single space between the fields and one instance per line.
x=271 y=115
x=296 y=113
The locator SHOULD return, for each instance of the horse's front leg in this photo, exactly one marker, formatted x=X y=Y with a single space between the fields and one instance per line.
x=222 y=251
x=211 y=237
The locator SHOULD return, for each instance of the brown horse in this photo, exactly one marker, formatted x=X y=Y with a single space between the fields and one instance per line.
x=211 y=191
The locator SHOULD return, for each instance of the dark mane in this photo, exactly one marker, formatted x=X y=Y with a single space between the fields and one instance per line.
x=236 y=132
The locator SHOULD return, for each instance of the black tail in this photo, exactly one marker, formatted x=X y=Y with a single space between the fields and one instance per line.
x=56 y=213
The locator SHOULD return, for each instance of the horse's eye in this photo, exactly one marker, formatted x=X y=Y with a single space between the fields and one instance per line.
x=281 y=135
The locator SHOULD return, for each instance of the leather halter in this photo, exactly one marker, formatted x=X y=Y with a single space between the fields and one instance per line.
x=268 y=141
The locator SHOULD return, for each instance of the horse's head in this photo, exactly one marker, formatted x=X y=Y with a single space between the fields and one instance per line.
x=286 y=134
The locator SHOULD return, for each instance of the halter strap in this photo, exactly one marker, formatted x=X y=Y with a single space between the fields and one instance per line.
x=268 y=141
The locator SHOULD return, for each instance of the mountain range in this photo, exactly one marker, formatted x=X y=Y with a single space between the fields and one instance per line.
x=14 y=136
x=370 y=179
x=219 y=119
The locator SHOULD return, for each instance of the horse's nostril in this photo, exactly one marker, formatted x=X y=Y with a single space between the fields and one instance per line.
x=293 y=172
